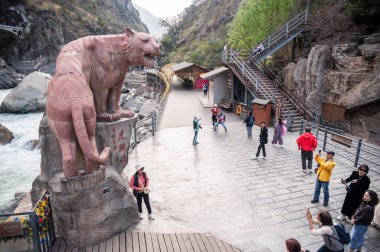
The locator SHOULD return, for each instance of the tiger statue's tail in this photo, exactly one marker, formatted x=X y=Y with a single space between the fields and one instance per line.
x=83 y=139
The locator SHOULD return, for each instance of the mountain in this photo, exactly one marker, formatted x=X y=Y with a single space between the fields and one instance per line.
x=52 y=24
x=152 y=22
x=198 y=34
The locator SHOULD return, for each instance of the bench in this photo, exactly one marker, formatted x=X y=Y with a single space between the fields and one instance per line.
x=226 y=104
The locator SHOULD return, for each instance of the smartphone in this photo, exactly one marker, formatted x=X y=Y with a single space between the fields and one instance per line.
x=319 y=151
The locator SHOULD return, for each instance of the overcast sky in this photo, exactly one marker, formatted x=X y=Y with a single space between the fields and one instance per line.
x=163 y=8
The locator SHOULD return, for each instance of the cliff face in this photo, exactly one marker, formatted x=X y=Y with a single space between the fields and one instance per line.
x=202 y=31
x=51 y=24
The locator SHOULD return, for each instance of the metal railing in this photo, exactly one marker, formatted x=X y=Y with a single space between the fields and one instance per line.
x=350 y=148
x=147 y=126
x=294 y=26
x=259 y=86
x=289 y=94
x=40 y=221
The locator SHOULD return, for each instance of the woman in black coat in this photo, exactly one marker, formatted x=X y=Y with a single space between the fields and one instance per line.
x=359 y=184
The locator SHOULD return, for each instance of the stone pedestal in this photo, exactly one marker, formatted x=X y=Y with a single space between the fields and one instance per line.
x=117 y=136
x=92 y=208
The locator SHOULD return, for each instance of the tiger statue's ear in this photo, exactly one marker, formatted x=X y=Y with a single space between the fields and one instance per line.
x=129 y=32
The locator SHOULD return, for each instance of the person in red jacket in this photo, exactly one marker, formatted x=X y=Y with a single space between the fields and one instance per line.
x=214 y=112
x=307 y=143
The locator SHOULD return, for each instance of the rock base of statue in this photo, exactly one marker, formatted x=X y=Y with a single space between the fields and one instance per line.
x=91 y=208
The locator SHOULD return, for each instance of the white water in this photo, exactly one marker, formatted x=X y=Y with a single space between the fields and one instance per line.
x=18 y=166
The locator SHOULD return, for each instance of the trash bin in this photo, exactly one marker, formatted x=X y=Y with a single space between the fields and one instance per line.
x=262 y=110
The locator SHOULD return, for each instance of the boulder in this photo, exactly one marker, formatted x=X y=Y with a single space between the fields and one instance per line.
x=9 y=78
x=29 y=95
x=148 y=107
x=6 y=135
x=370 y=51
x=339 y=83
x=372 y=39
x=345 y=62
x=32 y=145
x=135 y=103
x=288 y=74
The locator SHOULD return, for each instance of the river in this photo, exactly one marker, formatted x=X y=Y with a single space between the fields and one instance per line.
x=18 y=166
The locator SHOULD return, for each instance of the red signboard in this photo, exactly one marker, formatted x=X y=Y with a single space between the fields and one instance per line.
x=10 y=228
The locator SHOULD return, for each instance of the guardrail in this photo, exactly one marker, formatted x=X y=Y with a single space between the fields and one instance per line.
x=350 y=148
x=37 y=224
x=147 y=126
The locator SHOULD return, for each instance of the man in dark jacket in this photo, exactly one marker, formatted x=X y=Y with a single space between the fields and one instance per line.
x=249 y=121
x=307 y=143
x=263 y=140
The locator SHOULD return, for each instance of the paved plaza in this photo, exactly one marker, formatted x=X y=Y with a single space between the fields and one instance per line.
x=216 y=187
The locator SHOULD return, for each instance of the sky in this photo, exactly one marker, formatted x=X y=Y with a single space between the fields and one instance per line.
x=163 y=8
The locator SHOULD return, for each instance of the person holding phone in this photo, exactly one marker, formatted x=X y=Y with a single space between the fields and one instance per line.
x=326 y=165
x=358 y=183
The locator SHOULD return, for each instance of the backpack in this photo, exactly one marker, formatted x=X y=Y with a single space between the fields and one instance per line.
x=195 y=124
x=344 y=237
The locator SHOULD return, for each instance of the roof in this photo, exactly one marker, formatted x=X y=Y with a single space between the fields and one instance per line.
x=260 y=101
x=214 y=72
x=181 y=66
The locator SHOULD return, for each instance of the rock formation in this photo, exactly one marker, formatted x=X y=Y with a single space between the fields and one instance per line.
x=28 y=96
x=345 y=74
x=6 y=135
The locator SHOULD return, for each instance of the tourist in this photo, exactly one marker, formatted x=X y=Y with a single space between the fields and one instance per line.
x=359 y=184
x=214 y=112
x=263 y=140
x=278 y=133
x=362 y=219
x=307 y=143
x=249 y=122
x=326 y=230
x=196 y=127
x=140 y=185
x=292 y=245
x=221 y=120
x=205 y=89
x=326 y=165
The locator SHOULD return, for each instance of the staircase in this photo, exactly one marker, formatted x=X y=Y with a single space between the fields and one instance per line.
x=282 y=36
x=260 y=85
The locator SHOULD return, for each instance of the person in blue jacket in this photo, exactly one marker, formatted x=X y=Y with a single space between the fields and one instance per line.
x=249 y=122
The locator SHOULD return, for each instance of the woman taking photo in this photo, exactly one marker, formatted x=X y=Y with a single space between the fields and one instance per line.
x=326 y=230
x=359 y=184
x=362 y=219
x=140 y=185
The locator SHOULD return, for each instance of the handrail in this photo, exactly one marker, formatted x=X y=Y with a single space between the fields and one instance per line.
x=256 y=80
x=294 y=99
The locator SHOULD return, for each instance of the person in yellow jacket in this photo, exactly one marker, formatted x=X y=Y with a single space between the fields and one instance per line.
x=326 y=165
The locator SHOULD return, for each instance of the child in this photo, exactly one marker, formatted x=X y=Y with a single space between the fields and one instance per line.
x=196 y=127
x=263 y=140
x=221 y=119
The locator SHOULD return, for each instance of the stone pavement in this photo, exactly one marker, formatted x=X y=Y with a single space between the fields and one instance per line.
x=215 y=187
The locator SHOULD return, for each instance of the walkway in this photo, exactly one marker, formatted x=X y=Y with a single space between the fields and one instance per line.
x=215 y=187
x=132 y=241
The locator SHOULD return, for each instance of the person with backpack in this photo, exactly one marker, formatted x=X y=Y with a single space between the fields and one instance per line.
x=249 y=122
x=362 y=219
x=329 y=233
x=278 y=133
x=196 y=127
x=140 y=185
x=307 y=143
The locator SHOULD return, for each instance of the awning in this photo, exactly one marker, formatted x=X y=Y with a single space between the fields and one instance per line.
x=260 y=101
x=214 y=72
x=181 y=66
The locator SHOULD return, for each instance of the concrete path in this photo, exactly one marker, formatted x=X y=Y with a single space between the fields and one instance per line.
x=216 y=187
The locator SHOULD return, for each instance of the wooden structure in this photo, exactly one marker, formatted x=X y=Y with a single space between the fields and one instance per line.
x=262 y=110
x=189 y=72
x=133 y=241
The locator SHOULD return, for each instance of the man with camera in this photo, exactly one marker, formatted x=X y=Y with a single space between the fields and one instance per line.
x=326 y=165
